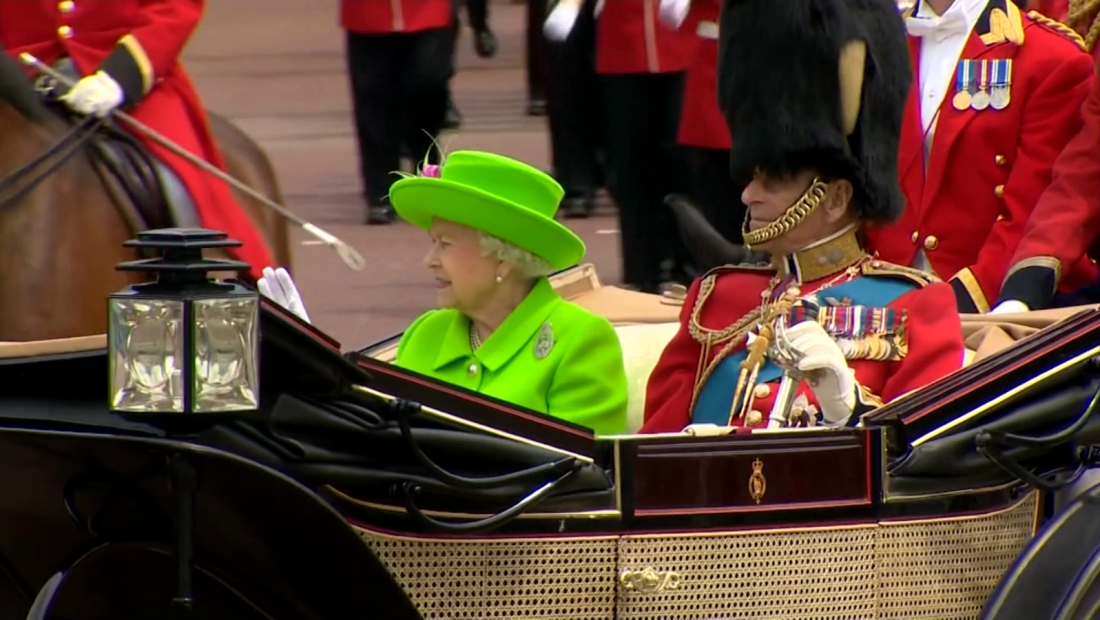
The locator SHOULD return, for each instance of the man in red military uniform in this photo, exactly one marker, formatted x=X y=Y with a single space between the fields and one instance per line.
x=399 y=56
x=865 y=331
x=703 y=132
x=642 y=66
x=128 y=52
x=1064 y=223
x=996 y=100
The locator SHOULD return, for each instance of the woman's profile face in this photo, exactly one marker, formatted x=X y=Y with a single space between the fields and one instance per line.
x=464 y=277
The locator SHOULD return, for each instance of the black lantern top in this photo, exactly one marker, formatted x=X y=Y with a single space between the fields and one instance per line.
x=181 y=265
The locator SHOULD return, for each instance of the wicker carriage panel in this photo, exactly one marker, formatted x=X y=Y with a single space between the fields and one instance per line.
x=949 y=568
x=532 y=579
x=934 y=569
x=822 y=574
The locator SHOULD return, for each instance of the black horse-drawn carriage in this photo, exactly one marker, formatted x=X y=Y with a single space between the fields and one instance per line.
x=359 y=490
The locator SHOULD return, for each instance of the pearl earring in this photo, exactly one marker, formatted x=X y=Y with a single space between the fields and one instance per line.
x=500 y=279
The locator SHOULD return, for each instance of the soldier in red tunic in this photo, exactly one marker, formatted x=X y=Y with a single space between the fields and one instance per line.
x=399 y=62
x=1063 y=224
x=128 y=52
x=997 y=98
x=703 y=132
x=814 y=168
x=642 y=65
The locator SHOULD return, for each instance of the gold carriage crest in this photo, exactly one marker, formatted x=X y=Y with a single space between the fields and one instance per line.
x=758 y=484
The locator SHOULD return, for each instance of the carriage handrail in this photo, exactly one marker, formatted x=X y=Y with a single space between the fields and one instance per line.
x=352 y=258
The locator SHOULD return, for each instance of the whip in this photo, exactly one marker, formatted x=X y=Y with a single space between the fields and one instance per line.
x=351 y=258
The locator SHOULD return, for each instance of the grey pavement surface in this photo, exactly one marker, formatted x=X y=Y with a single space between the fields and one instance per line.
x=277 y=69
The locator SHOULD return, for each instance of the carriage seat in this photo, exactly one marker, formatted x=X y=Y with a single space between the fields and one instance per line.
x=157 y=196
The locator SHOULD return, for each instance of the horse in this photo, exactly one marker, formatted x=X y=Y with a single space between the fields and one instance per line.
x=62 y=225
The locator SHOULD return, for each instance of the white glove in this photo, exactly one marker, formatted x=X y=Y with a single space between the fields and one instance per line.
x=95 y=94
x=559 y=23
x=826 y=370
x=599 y=8
x=277 y=285
x=672 y=12
x=1010 y=306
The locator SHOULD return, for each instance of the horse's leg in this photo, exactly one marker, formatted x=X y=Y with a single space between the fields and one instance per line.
x=246 y=161
x=59 y=246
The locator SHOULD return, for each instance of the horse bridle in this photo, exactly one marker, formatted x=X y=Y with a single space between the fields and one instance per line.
x=69 y=144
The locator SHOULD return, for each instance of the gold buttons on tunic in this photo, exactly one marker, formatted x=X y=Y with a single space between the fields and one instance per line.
x=65 y=32
x=762 y=390
x=1000 y=160
x=754 y=418
x=472 y=369
x=931 y=243
x=914 y=237
x=66 y=6
x=999 y=191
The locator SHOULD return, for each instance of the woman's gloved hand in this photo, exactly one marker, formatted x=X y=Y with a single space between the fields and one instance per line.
x=826 y=370
x=96 y=94
x=279 y=287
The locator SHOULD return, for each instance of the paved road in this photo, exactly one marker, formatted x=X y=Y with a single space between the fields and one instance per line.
x=276 y=67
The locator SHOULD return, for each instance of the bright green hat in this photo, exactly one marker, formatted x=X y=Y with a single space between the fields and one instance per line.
x=496 y=195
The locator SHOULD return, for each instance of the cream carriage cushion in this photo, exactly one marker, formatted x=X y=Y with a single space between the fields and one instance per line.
x=642 y=345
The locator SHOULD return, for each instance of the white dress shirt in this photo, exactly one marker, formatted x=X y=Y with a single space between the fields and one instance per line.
x=939 y=56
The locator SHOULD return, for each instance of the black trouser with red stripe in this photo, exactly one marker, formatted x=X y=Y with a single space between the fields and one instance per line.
x=645 y=163
x=574 y=106
x=399 y=95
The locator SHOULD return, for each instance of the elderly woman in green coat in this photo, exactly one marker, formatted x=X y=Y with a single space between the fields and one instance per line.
x=502 y=330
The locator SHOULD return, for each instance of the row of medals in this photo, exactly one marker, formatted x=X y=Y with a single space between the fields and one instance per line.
x=997 y=97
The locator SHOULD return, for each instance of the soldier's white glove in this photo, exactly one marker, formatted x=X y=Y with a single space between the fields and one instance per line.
x=1010 y=306
x=559 y=23
x=826 y=370
x=672 y=12
x=277 y=285
x=599 y=8
x=95 y=94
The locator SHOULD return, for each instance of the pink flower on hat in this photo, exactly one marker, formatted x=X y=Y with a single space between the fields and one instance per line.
x=432 y=171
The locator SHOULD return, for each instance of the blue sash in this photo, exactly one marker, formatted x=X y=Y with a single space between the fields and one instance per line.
x=716 y=397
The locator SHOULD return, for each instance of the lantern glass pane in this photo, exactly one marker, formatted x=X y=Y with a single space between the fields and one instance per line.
x=226 y=354
x=146 y=355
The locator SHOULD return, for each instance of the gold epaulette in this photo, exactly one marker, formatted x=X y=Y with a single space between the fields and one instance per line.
x=1058 y=27
x=890 y=270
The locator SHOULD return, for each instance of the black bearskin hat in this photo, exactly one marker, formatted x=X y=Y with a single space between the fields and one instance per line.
x=817 y=84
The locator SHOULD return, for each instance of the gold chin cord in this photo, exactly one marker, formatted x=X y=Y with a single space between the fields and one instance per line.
x=792 y=217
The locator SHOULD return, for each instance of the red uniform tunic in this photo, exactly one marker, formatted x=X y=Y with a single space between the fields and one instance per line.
x=932 y=333
x=631 y=39
x=138 y=43
x=385 y=16
x=701 y=121
x=1066 y=219
x=968 y=207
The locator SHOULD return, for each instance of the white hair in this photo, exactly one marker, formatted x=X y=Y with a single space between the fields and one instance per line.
x=525 y=262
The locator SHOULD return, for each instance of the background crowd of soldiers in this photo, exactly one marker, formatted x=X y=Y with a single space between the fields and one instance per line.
x=632 y=107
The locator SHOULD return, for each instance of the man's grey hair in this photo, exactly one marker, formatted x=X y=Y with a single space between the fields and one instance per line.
x=527 y=263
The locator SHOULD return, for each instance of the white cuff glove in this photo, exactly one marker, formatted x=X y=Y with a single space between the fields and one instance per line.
x=96 y=94
x=672 y=12
x=277 y=285
x=826 y=370
x=1010 y=306
x=559 y=23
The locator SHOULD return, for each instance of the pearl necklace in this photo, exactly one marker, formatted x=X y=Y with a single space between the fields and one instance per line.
x=475 y=340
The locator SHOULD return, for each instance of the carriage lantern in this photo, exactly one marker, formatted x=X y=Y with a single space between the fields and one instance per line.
x=184 y=348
